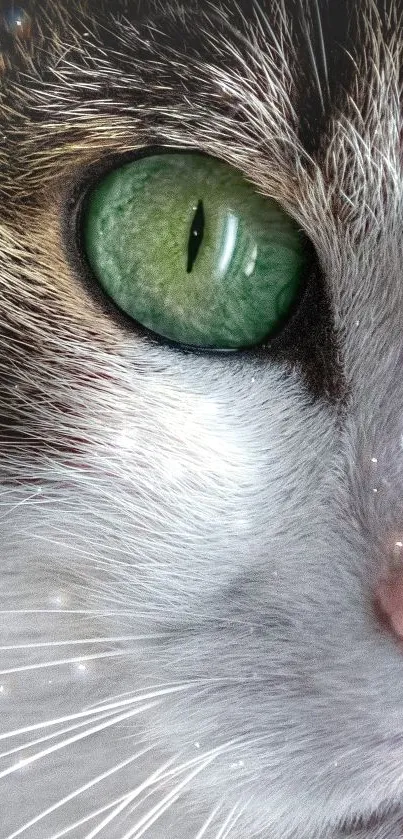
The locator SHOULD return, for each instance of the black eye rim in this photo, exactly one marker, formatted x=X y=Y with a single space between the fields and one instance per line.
x=75 y=207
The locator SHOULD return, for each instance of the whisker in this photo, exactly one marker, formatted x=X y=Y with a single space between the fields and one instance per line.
x=231 y=820
x=129 y=798
x=76 y=793
x=93 y=710
x=87 y=818
x=169 y=802
x=58 y=663
x=163 y=688
x=92 y=612
x=148 y=820
x=166 y=802
x=25 y=746
x=157 y=777
x=83 y=735
x=223 y=829
x=71 y=642
x=208 y=821
x=155 y=781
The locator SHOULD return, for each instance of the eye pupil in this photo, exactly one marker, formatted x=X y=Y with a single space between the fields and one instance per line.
x=195 y=236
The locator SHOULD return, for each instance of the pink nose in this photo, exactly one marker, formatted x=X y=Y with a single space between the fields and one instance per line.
x=389 y=602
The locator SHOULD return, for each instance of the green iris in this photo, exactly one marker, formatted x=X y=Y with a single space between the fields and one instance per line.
x=186 y=247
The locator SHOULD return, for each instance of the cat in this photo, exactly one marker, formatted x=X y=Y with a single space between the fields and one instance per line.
x=201 y=549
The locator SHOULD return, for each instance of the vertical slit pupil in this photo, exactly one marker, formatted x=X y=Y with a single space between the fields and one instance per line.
x=195 y=235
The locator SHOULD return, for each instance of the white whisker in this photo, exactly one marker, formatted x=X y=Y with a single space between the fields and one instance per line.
x=78 y=792
x=231 y=820
x=154 y=781
x=129 y=798
x=61 y=731
x=71 y=642
x=60 y=662
x=91 y=612
x=94 y=710
x=208 y=821
x=160 y=689
x=159 y=809
x=159 y=775
x=70 y=740
x=89 y=817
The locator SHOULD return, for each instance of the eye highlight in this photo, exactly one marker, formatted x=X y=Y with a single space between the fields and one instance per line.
x=185 y=246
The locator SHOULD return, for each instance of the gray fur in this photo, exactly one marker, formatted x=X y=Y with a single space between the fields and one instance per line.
x=190 y=543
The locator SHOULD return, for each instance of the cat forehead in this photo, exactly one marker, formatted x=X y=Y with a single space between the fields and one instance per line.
x=275 y=88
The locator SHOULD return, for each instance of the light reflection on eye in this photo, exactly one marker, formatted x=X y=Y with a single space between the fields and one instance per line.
x=228 y=244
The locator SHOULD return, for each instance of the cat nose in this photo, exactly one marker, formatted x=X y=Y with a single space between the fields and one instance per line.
x=389 y=603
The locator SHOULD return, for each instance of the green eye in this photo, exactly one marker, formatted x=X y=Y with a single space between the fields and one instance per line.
x=185 y=246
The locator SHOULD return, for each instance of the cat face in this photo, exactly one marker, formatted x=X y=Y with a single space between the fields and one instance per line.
x=192 y=540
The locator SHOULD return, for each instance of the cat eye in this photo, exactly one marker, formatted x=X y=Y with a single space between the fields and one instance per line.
x=186 y=247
